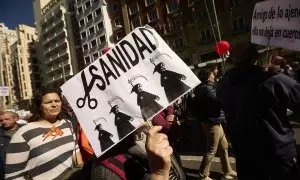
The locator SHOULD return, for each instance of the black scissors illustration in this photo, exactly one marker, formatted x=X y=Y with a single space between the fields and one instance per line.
x=92 y=102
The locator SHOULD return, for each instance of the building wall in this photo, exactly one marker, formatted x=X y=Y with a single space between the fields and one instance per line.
x=163 y=15
x=58 y=46
x=26 y=35
x=7 y=37
x=94 y=27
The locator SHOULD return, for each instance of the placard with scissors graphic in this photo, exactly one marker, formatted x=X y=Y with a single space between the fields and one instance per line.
x=131 y=83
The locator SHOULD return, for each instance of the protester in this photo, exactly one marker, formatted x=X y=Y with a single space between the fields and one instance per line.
x=45 y=148
x=287 y=70
x=211 y=116
x=159 y=154
x=9 y=126
x=255 y=104
x=127 y=160
x=166 y=119
x=296 y=71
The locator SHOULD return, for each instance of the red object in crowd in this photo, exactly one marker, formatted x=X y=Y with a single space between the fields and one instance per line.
x=105 y=50
x=222 y=47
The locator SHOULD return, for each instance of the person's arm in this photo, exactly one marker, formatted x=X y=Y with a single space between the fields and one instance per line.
x=169 y=111
x=16 y=157
x=283 y=90
x=159 y=154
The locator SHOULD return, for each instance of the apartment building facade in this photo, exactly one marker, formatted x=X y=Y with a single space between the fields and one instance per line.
x=58 y=48
x=94 y=27
x=164 y=16
x=186 y=26
x=7 y=38
x=234 y=19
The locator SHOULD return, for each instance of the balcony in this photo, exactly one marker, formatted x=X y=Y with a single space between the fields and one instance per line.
x=51 y=26
x=59 y=77
x=53 y=36
x=57 y=56
x=54 y=46
x=168 y=30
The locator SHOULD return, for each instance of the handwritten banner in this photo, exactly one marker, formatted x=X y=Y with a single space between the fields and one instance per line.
x=131 y=83
x=276 y=23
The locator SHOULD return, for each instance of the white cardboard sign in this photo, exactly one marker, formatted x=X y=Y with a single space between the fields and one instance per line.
x=131 y=83
x=4 y=91
x=276 y=23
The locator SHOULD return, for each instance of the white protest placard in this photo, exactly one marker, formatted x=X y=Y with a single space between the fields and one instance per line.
x=132 y=82
x=276 y=23
x=4 y=91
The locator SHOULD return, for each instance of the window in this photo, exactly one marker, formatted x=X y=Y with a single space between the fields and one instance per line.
x=133 y=8
x=22 y=68
x=100 y=25
x=32 y=38
x=172 y=6
x=152 y=16
x=117 y=21
x=205 y=34
x=93 y=43
x=208 y=34
x=28 y=37
x=98 y=12
x=95 y=56
x=21 y=60
x=149 y=2
x=81 y=22
x=119 y=35
x=241 y=23
x=85 y=47
x=135 y=23
x=115 y=7
x=92 y=30
x=87 y=60
x=88 y=4
x=238 y=24
x=234 y=3
x=102 y=39
x=79 y=10
x=178 y=43
x=23 y=77
x=25 y=93
x=24 y=86
x=89 y=17
x=83 y=35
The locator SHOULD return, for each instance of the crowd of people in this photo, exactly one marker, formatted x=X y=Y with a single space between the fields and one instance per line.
x=252 y=101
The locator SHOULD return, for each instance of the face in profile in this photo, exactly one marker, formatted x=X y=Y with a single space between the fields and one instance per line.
x=215 y=71
x=50 y=105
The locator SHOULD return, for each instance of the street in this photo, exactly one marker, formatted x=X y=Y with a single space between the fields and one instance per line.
x=192 y=149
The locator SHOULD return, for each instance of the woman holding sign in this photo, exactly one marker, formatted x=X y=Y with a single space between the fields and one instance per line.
x=46 y=147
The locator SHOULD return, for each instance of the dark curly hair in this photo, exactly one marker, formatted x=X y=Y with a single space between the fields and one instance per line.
x=37 y=101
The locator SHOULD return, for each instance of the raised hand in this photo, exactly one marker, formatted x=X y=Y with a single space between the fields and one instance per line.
x=158 y=153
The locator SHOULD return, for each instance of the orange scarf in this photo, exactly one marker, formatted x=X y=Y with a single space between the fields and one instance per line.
x=54 y=131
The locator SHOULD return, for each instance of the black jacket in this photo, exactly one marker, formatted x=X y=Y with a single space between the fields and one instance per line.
x=4 y=141
x=255 y=104
x=208 y=107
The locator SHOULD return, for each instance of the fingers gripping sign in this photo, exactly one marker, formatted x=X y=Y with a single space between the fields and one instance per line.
x=159 y=153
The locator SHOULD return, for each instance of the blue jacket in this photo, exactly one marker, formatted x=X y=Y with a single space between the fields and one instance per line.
x=208 y=108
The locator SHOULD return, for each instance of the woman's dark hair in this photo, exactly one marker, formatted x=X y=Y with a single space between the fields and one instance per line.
x=37 y=101
x=204 y=74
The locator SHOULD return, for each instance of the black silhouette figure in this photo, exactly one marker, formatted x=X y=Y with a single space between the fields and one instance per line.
x=146 y=101
x=171 y=82
x=104 y=137
x=122 y=122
